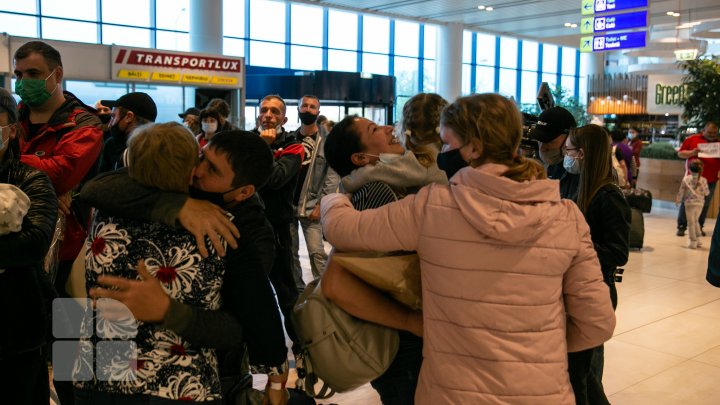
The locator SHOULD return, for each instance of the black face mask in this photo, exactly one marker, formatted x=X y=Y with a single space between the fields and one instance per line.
x=215 y=198
x=451 y=162
x=105 y=118
x=307 y=118
x=116 y=132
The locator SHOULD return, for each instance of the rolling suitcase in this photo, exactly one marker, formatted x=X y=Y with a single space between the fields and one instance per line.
x=637 y=229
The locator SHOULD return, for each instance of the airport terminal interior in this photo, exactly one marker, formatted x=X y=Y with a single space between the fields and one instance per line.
x=616 y=63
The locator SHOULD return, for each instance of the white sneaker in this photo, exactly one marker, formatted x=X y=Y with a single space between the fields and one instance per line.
x=692 y=245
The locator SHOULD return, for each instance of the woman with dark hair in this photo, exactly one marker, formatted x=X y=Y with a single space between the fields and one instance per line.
x=608 y=215
x=510 y=281
x=209 y=124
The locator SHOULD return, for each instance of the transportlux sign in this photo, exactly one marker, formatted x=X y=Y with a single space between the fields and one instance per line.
x=147 y=65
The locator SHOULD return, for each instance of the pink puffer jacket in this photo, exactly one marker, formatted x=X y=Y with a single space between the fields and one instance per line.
x=510 y=278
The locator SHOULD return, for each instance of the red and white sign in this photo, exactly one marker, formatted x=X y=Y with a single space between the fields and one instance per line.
x=148 y=65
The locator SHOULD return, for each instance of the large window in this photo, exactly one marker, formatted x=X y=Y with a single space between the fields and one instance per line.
x=271 y=33
x=517 y=80
x=376 y=34
x=508 y=52
x=234 y=19
x=407 y=38
x=306 y=25
x=342 y=30
x=270 y=26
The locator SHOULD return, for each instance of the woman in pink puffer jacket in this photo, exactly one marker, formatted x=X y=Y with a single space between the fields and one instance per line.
x=511 y=282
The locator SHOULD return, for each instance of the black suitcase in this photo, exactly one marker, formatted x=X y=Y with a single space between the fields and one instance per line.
x=637 y=229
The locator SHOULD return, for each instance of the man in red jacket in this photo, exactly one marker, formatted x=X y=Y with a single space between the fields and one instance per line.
x=60 y=136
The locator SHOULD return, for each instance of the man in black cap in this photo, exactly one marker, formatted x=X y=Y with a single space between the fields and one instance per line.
x=191 y=119
x=551 y=132
x=128 y=112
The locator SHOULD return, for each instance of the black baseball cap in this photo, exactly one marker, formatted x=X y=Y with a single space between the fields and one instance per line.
x=552 y=123
x=139 y=103
x=191 y=111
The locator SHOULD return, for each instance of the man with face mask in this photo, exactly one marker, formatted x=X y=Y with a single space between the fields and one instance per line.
x=128 y=112
x=278 y=195
x=551 y=132
x=60 y=136
x=316 y=179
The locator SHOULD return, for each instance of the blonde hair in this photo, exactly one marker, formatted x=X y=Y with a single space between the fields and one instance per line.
x=162 y=156
x=493 y=125
x=420 y=126
x=596 y=170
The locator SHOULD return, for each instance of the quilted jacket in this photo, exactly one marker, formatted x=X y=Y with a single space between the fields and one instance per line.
x=510 y=280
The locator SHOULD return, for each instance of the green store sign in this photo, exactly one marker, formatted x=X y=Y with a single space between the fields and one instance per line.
x=670 y=95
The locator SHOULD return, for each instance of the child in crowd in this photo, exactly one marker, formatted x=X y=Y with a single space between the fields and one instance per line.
x=693 y=190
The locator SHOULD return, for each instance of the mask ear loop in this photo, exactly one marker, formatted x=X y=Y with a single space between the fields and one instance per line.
x=57 y=84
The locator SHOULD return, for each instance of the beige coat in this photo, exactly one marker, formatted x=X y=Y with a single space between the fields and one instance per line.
x=511 y=283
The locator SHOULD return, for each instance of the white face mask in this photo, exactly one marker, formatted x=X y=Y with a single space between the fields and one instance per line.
x=209 y=127
x=385 y=157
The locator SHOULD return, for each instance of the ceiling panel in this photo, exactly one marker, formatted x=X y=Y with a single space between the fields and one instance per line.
x=540 y=20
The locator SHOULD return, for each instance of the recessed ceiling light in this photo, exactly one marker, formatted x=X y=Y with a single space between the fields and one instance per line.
x=567 y=24
x=489 y=8
x=573 y=25
x=670 y=13
x=481 y=7
x=676 y=15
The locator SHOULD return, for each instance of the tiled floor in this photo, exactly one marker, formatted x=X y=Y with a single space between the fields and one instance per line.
x=666 y=348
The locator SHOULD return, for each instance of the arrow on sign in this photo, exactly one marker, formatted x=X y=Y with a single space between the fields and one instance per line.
x=587 y=7
x=587 y=24
x=586 y=44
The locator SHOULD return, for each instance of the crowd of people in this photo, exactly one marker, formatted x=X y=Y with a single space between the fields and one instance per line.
x=194 y=229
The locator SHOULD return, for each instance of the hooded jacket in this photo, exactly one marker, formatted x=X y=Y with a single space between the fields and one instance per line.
x=510 y=280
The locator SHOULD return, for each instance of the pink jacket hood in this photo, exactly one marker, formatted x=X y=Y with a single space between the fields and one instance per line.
x=503 y=208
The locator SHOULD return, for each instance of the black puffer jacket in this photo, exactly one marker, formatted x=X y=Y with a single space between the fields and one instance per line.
x=23 y=315
x=609 y=219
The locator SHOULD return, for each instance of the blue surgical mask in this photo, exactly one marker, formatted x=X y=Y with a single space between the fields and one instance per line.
x=571 y=165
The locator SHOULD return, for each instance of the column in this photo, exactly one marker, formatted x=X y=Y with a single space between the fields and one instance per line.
x=206 y=26
x=449 y=62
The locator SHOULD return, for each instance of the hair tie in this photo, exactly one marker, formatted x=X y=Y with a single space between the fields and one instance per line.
x=437 y=129
x=407 y=133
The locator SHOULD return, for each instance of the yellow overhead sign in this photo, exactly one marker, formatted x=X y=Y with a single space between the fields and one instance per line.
x=168 y=77
x=224 y=80
x=133 y=74
x=196 y=79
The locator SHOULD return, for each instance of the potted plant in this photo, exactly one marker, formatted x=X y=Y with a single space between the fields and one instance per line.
x=702 y=103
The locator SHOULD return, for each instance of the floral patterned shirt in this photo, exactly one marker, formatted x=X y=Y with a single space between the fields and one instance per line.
x=121 y=355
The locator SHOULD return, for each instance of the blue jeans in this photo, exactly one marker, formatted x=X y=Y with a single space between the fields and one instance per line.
x=312 y=230
x=682 y=219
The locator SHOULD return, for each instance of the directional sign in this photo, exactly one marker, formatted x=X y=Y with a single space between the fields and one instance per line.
x=602 y=6
x=613 y=42
x=613 y=22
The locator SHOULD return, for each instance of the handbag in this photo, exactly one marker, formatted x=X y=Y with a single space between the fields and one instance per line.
x=341 y=350
x=639 y=198
x=398 y=275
